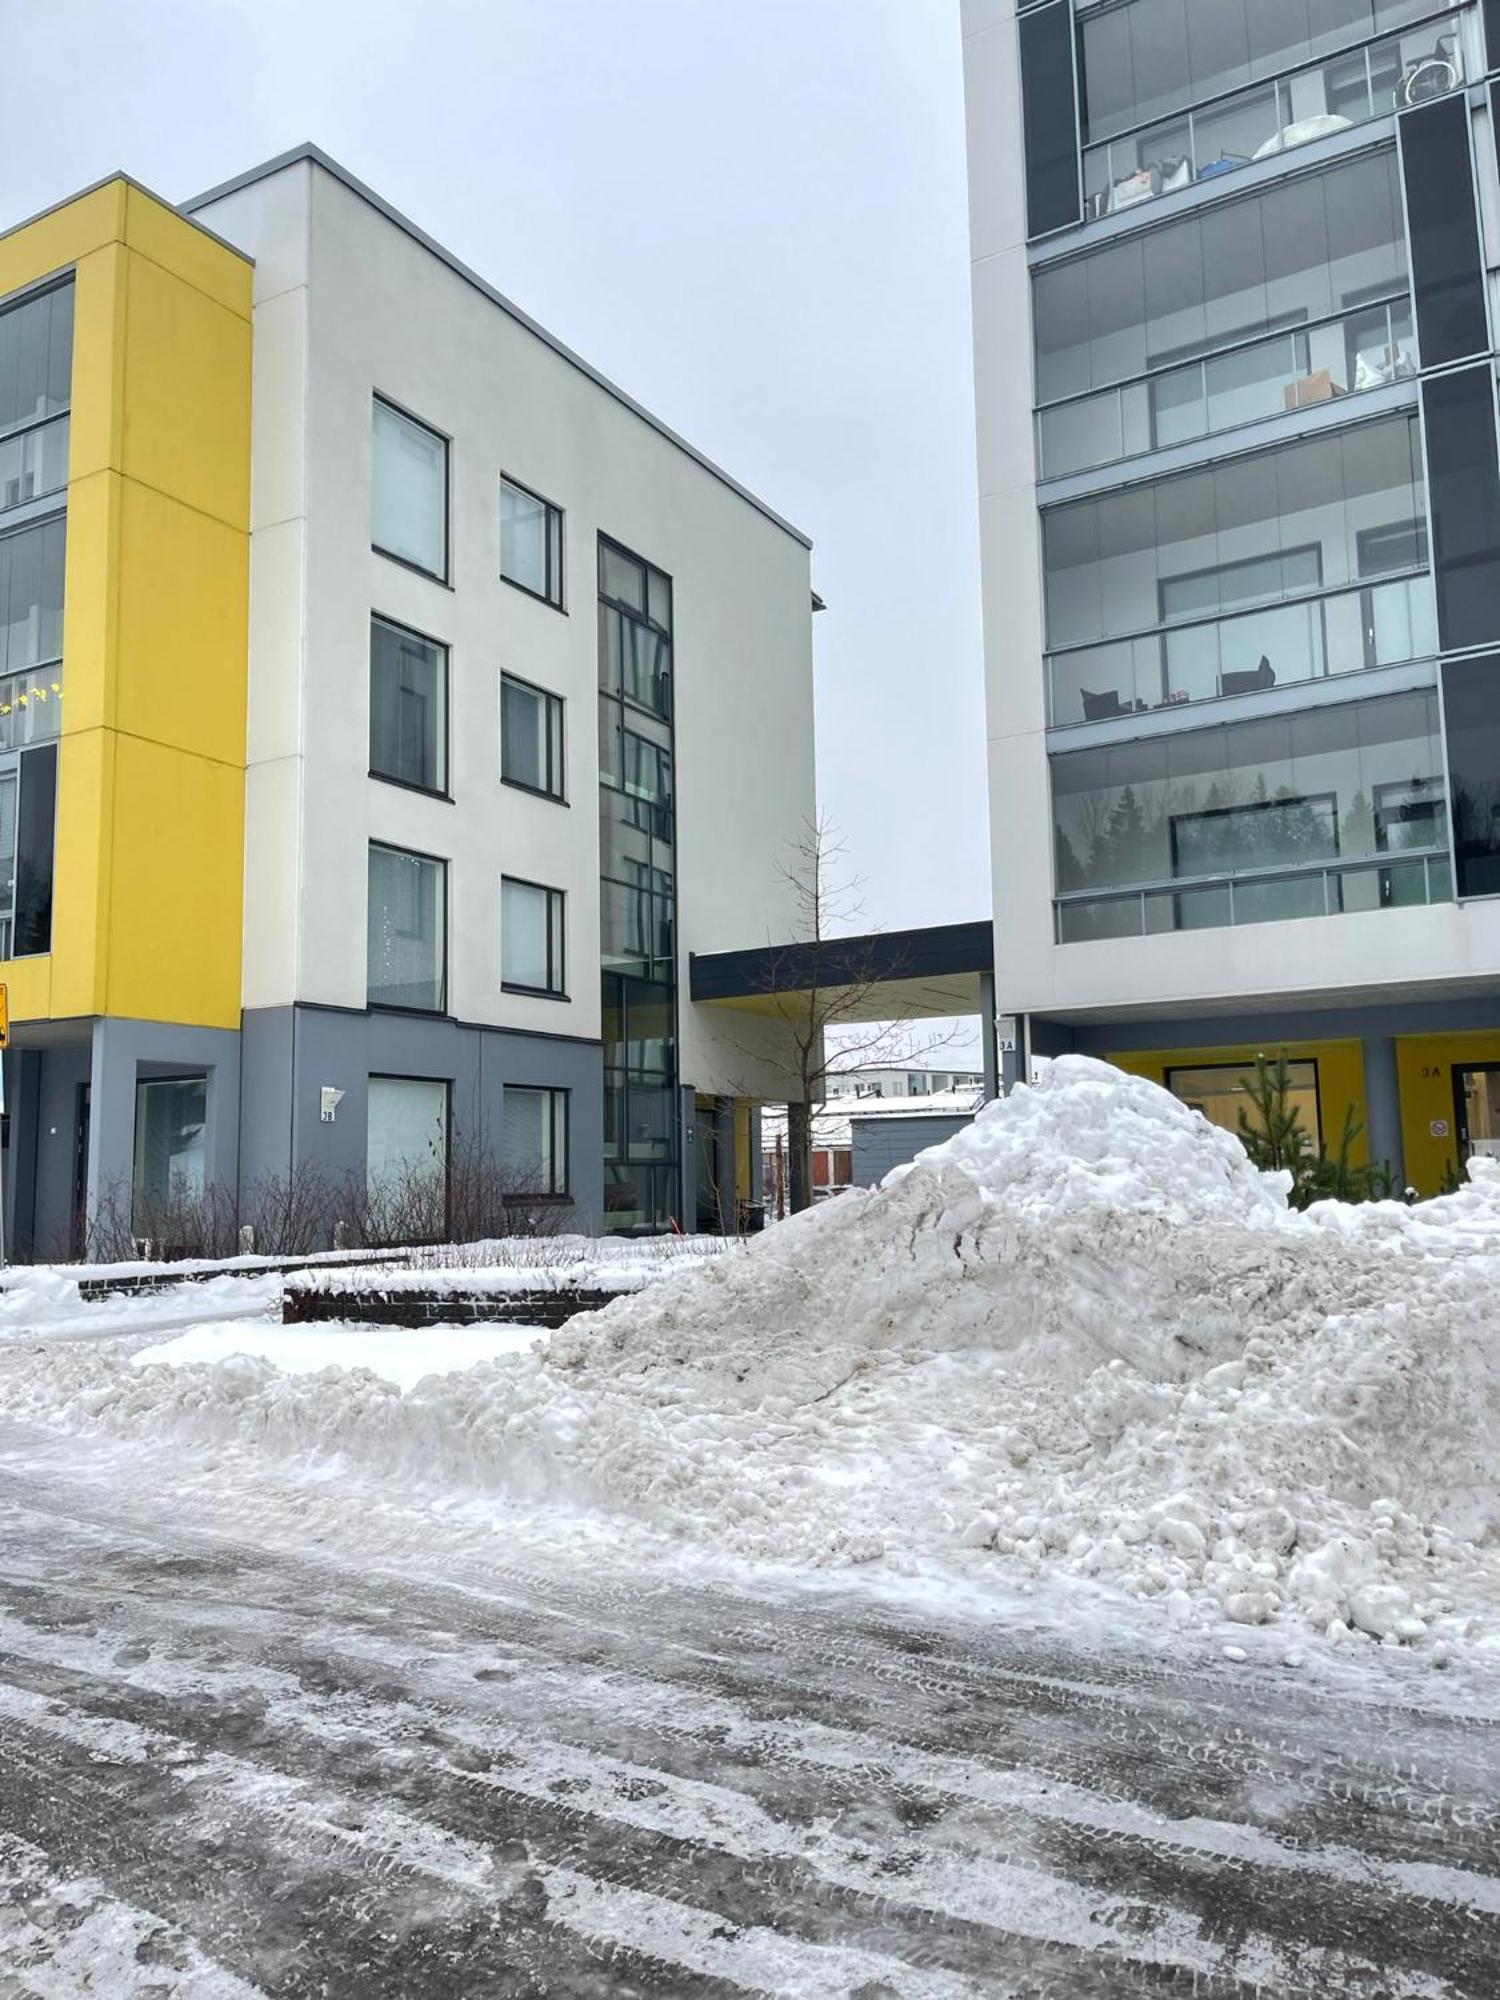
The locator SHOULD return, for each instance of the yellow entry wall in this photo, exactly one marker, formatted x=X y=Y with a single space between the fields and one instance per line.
x=1429 y=1124
x=1341 y=1076
x=148 y=882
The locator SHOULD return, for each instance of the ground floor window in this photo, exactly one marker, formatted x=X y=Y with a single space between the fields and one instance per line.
x=1222 y=1090
x=534 y=1140
x=406 y=1158
x=171 y=1114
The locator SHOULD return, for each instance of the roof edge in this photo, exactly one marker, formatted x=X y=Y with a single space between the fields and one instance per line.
x=309 y=152
x=140 y=187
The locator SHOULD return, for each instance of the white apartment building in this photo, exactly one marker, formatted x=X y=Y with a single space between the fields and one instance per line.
x=1234 y=287
x=517 y=722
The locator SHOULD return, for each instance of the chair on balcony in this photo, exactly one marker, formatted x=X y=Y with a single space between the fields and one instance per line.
x=1249 y=680
x=1100 y=707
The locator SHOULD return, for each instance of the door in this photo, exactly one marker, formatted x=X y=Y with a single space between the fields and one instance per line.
x=1476 y=1104
x=80 y=1225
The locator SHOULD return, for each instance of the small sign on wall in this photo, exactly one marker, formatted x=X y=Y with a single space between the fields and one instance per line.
x=1438 y=1129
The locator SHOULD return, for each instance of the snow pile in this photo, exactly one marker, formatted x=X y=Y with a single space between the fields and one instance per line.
x=1083 y=1336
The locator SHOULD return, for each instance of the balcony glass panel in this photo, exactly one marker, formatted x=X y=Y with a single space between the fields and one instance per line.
x=1263 y=120
x=33 y=464
x=1368 y=350
x=1377 y=625
x=1327 y=512
x=1252 y=822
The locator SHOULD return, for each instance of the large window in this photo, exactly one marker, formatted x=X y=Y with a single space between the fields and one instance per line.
x=1317 y=812
x=637 y=892
x=406 y=1158
x=1271 y=568
x=531 y=542
x=28 y=817
x=1221 y=1091
x=531 y=938
x=408 y=921
x=409 y=490
x=531 y=738
x=31 y=596
x=1243 y=83
x=1239 y=311
x=408 y=707
x=171 y=1114
x=534 y=1140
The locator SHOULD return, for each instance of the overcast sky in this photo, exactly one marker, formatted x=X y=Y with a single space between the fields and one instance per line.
x=749 y=213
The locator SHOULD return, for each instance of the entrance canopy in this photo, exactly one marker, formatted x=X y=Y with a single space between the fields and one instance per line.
x=911 y=975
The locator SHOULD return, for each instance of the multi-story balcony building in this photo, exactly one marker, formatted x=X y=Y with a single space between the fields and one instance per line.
x=389 y=706
x=1235 y=295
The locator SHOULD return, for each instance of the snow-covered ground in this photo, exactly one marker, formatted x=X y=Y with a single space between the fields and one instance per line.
x=1084 y=1338
x=932 y=1598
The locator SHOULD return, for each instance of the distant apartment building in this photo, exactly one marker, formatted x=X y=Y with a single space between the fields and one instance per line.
x=388 y=707
x=1234 y=279
x=898 y=1080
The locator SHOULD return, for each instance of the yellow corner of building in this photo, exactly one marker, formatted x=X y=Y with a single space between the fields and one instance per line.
x=151 y=692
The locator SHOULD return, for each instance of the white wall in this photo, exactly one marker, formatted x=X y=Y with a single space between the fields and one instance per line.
x=347 y=303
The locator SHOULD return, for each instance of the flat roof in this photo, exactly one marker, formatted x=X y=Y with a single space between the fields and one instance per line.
x=315 y=155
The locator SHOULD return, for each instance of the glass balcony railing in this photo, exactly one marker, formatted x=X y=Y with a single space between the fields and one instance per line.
x=1257 y=896
x=30 y=707
x=1272 y=118
x=1377 y=625
x=33 y=463
x=1287 y=371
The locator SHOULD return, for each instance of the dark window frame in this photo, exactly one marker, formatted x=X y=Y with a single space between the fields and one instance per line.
x=444 y=862
x=556 y=754
x=388 y=777
x=557 y=941
x=443 y=576
x=555 y=592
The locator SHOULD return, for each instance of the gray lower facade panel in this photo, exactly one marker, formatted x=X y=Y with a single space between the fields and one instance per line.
x=70 y=1132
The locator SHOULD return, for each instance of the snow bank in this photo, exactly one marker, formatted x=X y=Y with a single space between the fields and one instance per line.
x=1083 y=1336
x=400 y=1355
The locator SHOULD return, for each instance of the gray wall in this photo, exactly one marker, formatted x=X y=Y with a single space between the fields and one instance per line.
x=885 y=1142
x=290 y=1054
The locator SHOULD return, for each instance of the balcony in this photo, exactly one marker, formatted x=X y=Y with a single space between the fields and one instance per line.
x=1286 y=371
x=1257 y=896
x=1272 y=118
x=1380 y=624
x=33 y=463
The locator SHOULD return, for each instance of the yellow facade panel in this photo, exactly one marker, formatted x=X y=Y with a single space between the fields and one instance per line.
x=187 y=394
x=150 y=820
x=1429 y=1113
x=1341 y=1076
x=174 y=903
x=193 y=253
x=182 y=628
x=62 y=237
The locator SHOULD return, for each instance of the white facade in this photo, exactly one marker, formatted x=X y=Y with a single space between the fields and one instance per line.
x=351 y=304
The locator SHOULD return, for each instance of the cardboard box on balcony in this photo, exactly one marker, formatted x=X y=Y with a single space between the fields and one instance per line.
x=1318 y=387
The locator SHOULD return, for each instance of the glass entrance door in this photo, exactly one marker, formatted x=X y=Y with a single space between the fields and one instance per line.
x=1476 y=1096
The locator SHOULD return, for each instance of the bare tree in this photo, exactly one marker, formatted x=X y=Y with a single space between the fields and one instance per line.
x=825 y=984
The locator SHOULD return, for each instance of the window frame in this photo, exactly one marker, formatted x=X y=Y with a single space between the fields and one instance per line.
x=386 y=777
x=443 y=576
x=556 y=753
x=1243 y=1070
x=557 y=941
x=559 y=1115
x=442 y=862
x=555 y=592
x=445 y=1084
